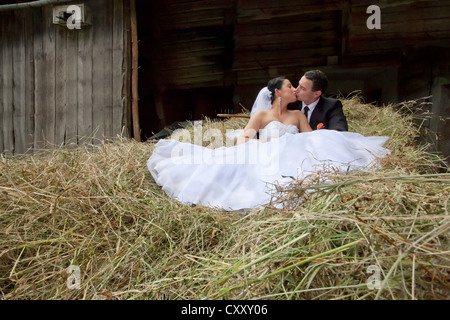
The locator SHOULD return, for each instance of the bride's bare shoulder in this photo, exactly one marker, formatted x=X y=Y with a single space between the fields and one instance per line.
x=296 y=113
x=257 y=119
x=298 y=116
x=260 y=114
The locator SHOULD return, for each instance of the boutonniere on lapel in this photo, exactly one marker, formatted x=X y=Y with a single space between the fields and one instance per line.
x=320 y=126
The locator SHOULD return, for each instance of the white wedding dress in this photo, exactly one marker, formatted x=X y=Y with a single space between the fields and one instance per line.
x=244 y=176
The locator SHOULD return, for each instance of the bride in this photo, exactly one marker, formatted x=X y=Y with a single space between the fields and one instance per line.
x=281 y=93
x=245 y=176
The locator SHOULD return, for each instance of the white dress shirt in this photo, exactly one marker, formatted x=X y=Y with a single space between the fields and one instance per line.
x=311 y=107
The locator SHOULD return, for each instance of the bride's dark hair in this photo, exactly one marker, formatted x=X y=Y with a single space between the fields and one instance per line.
x=276 y=83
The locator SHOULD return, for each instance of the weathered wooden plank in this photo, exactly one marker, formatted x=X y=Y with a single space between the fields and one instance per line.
x=176 y=76
x=29 y=79
x=99 y=29
x=49 y=75
x=186 y=36
x=421 y=37
x=300 y=24
x=343 y=30
x=287 y=40
x=61 y=87
x=197 y=81
x=118 y=68
x=108 y=71
x=194 y=6
x=361 y=11
x=18 y=47
x=172 y=52
x=402 y=28
x=159 y=107
x=85 y=84
x=7 y=90
x=190 y=63
x=187 y=63
x=355 y=46
x=369 y=59
x=135 y=72
x=40 y=80
x=193 y=48
x=253 y=77
x=443 y=41
x=404 y=7
x=362 y=47
x=441 y=24
x=72 y=88
x=278 y=63
x=431 y=4
x=2 y=72
x=126 y=92
x=205 y=15
x=188 y=20
x=261 y=13
x=403 y=15
x=285 y=4
x=270 y=55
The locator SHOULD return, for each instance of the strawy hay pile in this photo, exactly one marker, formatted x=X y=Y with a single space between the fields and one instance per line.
x=97 y=208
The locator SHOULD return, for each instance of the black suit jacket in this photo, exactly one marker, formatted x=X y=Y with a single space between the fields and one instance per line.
x=328 y=111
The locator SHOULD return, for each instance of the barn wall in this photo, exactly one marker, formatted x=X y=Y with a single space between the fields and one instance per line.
x=192 y=48
x=203 y=57
x=197 y=54
x=385 y=81
x=61 y=86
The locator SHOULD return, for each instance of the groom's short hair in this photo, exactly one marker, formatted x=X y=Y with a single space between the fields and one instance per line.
x=319 y=79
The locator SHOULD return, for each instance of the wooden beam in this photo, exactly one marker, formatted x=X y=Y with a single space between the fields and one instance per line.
x=118 y=66
x=19 y=63
x=85 y=85
x=99 y=73
x=72 y=89
x=260 y=14
x=244 y=116
x=109 y=67
x=29 y=84
x=345 y=16
x=7 y=96
x=134 y=72
x=126 y=90
x=159 y=106
x=61 y=94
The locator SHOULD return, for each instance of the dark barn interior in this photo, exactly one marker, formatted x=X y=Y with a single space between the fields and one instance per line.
x=186 y=53
x=201 y=58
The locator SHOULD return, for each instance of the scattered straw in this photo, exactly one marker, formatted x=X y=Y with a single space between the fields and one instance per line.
x=98 y=208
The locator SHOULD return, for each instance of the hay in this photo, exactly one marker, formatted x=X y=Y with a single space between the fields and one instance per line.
x=98 y=208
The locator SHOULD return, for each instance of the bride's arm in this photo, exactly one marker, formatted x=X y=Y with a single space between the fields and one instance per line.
x=303 y=121
x=251 y=129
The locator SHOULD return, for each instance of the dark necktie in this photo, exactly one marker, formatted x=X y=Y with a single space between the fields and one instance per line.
x=306 y=112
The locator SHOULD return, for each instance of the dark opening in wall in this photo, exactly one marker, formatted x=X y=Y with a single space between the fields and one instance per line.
x=185 y=58
x=373 y=97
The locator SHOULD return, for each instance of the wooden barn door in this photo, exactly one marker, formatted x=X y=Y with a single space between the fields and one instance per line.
x=185 y=61
x=63 y=87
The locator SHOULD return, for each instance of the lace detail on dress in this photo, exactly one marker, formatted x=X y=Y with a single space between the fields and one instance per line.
x=276 y=129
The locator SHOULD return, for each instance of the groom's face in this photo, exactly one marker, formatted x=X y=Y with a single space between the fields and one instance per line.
x=304 y=91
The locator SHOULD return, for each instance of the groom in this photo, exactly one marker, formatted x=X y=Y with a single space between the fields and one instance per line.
x=321 y=112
